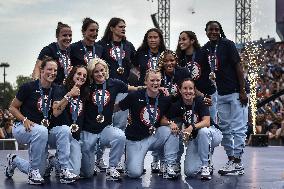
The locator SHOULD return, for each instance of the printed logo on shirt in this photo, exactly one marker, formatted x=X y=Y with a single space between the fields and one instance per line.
x=152 y=64
x=187 y=117
x=74 y=105
x=196 y=70
x=106 y=99
x=39 y=103
x=113 y=55
x=144 y=115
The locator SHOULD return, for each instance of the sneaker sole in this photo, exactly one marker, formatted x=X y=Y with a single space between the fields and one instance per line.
x=113 y=179
x=205 y=178
x=222 y=173
x=7 y=174
x=62 y=181
x=35 y=183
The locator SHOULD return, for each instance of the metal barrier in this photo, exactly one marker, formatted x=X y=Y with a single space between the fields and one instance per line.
x=3 y=141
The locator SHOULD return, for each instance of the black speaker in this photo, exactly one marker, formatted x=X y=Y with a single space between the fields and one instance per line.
x=259 y=140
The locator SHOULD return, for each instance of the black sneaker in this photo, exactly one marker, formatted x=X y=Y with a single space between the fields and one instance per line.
x=10 y=168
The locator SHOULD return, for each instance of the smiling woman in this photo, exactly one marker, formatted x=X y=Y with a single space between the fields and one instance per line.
x=59 y=51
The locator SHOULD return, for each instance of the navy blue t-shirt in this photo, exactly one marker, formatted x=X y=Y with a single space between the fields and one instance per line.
x=29 y=95
x=62 y=57
x=180 y=110
x=79 y=56
x=143 y=62
x=139 y=123
x=109 y=56
x=172 y=82
x=227 y=58
x=199 y=70
x=113 y=87
x=65 y=118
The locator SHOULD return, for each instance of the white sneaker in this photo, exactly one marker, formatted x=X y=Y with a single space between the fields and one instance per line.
x=113 y=174
x=101 y=164
x=67 y=177
x=163 y=168
x=10 y=168
x=170 y=173
x=239 y=168
x=155 y=168
x=205 y=173
x=228 y=168
x=120 y=168
x=34 y=177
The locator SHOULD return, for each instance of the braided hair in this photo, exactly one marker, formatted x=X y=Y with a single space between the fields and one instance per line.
x=162 y=57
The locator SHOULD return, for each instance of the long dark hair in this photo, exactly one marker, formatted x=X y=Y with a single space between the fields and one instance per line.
x=112 y=23
x=221 y=29
x=191 y=35
x=144 y=46
x=69 y=83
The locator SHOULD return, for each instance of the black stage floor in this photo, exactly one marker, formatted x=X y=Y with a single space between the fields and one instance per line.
x=264 y=168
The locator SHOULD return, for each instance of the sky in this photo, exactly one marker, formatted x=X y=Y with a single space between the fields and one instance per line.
x=26 y=26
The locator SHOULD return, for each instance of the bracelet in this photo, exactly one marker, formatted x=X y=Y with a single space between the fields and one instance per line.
x=25 y=119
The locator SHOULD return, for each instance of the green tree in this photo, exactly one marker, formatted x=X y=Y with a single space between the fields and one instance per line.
x=21 y=80
x=7 y=96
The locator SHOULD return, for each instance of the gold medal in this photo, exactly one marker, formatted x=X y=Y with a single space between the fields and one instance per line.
x=212 y=76
x=100 y=118
x=120 y=70
x=45 y=122
x=74 y=128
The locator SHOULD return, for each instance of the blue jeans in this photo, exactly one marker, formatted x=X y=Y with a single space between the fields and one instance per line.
x=200 y=149
x=37 y=141
x=109 y=136
x=162 y=141
x=232 y=123
x=60 y=138
x=75 y=156
x=213 y=107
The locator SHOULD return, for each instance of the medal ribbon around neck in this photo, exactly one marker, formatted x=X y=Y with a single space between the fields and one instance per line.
x=86 y=52
x=171 y=82
x=213 y=59
x=152 y=116
x=65 y=59
x=100 y=103
x=118 y=58
x=45 y=107
x=190 y=66
x=75 y=113
x=151 y=59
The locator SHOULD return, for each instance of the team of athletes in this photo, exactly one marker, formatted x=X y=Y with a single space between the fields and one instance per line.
x=90 y=95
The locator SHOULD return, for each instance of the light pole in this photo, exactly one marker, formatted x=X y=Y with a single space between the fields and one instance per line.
x=4 y=65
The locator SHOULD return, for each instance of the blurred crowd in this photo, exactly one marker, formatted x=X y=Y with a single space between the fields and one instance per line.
x=270 y=117
x=6 y=124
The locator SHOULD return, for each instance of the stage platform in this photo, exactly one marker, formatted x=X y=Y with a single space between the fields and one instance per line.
x=264 y=167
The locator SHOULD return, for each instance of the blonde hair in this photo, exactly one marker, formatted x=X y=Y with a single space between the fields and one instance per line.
x=92 y=65
x=152 y=71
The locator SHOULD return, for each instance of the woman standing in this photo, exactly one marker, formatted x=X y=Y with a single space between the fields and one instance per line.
x=147 y=55
x=59 y=51
x=196 y=120
x=84 y=50
x=224 y=61
x=31 y=108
